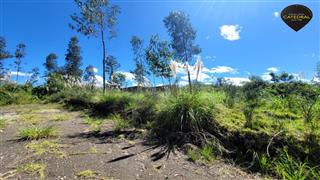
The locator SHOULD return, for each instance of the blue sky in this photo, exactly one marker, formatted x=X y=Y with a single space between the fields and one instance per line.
x=238 y=38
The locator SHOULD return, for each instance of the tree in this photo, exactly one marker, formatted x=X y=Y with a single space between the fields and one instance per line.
x=95 y=18
x=4 y=54
x=34 y=76
x=51 y=63
x=159 y=55
x=89 y=76
x=73 y=61
x=119 y=79
x=111 y=66
x=183 y=38
x=140 y=70
x=19 y=54
x=252 y=92
x=283 y=77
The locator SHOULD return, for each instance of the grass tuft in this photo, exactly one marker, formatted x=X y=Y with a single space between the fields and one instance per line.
x=34 y=133
x=61 y=117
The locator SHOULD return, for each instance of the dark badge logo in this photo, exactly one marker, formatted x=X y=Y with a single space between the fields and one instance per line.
x=296 y=16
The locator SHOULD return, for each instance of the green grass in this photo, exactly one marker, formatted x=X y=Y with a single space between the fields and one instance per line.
x=34 y=133
x=30 y=118
x=204 y=155
x=46 y=147
x=33 y=168
x=61 y=117
x=95 y=124
x=87 y=174
x=2 y=123
x=119 y=123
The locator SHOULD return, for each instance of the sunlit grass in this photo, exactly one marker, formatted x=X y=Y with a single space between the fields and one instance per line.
x=33 y=168
x=34 y=133
x=46 y=147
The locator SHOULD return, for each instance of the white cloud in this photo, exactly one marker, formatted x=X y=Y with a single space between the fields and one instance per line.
x=276 y=14
x=266 y=76
x=220 y=69
x=95 y=70
x=237 y=81
x=230 y=32
x=272 y=69
x=14 y=73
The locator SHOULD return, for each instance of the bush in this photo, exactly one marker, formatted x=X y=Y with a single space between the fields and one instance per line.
x=16 y=94
x=252 y=92
x=186 y=118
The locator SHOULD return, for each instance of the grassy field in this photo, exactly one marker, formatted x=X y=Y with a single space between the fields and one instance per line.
x=266 y=129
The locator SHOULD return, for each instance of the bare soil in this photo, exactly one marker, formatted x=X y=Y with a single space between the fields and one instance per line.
x=108 y=154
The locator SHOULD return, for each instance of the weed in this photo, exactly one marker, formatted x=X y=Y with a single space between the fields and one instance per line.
x=32 y=133
x=95 y=124
x=33 y=168
x=193 y=155
x=119 y=123
x=46 y=147
x=87 y=174
x=61 y=117
x=2 y=123
x=30 y=118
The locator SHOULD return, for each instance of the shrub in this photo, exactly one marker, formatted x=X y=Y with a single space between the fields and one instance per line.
x=186 y=118
x=252 y=92
x=287 y=168
x=37 y=132
x=119 y=123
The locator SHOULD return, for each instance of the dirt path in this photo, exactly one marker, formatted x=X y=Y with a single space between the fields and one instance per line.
x=78 y=153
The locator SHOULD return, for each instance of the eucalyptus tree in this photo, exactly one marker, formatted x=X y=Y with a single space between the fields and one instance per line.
x=140 y=70
x=73 y=59
x=89 y=76
x=4 y=54
x=159 y=55
x=19 y=54
x=183 y=37
x=51 y=64
x=112 y=65
x=97 y=18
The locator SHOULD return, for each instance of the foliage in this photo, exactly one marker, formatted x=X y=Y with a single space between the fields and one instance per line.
x=252 y=92
x=51 y=64
x=19 y=54
x=159 y=55
x=34 y=132
x=119 y=123
x=4 y=54
x=112 y=65
x=73 y=58
x=94 y=19
x=89 y=76
x=183 y=37
x=140 y=67
x=2 y=123
x=119 y=79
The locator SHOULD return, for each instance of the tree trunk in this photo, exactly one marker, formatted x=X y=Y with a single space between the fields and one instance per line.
x=103 y=62
x=189 y=79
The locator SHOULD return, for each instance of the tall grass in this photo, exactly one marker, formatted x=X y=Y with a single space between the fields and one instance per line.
x=34 y=132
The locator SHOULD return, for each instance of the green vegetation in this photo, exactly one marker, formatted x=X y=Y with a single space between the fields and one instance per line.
x=46 y=147
x=35 y=132
x=33 y=168
x=2 y=123
x=61 y=117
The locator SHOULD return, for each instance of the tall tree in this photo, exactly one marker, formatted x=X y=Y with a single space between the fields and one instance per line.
x=51 y=63
x=111 y=66
x=96 y=18
x=159 y=55
x=183 y=37
x=119 y=79
x=73 y=61
x=140 y=70
x=34 y=76
x=19 y=54
x=89 y=76
x=4 y=54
